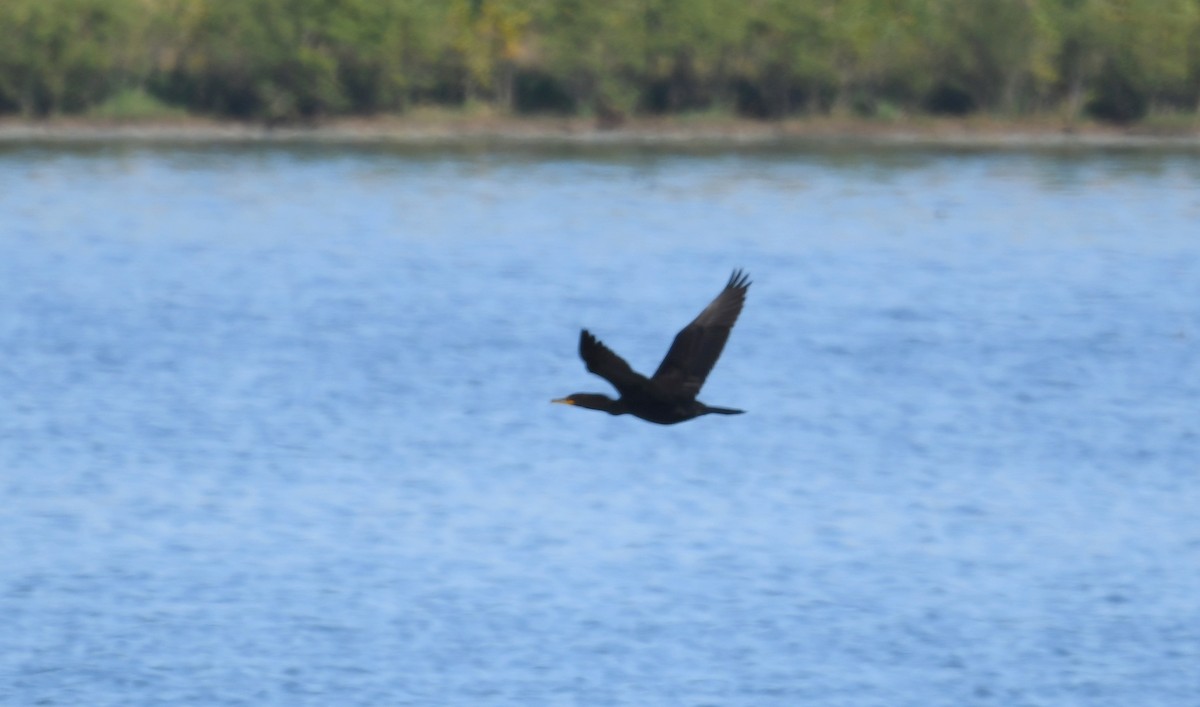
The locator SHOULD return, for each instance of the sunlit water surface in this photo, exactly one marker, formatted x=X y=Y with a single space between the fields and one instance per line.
x=274 y=428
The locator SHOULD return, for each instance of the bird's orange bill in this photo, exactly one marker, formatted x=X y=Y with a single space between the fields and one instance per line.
x=564 y=401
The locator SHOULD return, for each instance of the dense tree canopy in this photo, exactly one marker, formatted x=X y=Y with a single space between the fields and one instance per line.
x=290 y=59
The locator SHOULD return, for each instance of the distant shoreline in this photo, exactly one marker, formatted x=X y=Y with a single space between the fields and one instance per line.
x=549 y=131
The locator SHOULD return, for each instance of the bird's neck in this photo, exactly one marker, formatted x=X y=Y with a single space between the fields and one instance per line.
x=613 y=407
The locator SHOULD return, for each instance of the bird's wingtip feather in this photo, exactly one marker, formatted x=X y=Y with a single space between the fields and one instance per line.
x=740 y=279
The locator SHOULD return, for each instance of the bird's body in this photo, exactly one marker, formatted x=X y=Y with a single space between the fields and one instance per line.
x=669 y=396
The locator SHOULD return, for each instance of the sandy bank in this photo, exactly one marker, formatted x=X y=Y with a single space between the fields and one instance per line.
x=976 y=133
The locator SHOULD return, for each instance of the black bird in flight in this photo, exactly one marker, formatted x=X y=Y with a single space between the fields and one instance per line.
x=669 y=396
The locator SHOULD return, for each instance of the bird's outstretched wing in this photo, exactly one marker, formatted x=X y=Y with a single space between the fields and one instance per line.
x=603 y=362
x=698 y=346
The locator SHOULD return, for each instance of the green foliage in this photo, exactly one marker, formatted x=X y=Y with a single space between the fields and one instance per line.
x=291 y=59
x=284 y=60
x=135 y=104
x=63 y=55
x=1000 y=53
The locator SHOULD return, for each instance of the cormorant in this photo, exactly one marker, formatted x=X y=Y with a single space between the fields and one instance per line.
x=669 y=396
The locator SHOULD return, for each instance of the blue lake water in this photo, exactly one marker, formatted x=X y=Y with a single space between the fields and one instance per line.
x=274 y=428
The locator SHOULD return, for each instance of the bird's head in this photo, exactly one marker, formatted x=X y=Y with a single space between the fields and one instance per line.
x=591 y=401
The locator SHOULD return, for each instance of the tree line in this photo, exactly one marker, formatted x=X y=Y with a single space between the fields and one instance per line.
x=299 y=59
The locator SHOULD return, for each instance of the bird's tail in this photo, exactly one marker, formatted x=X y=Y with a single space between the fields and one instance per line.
x=723 y=411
